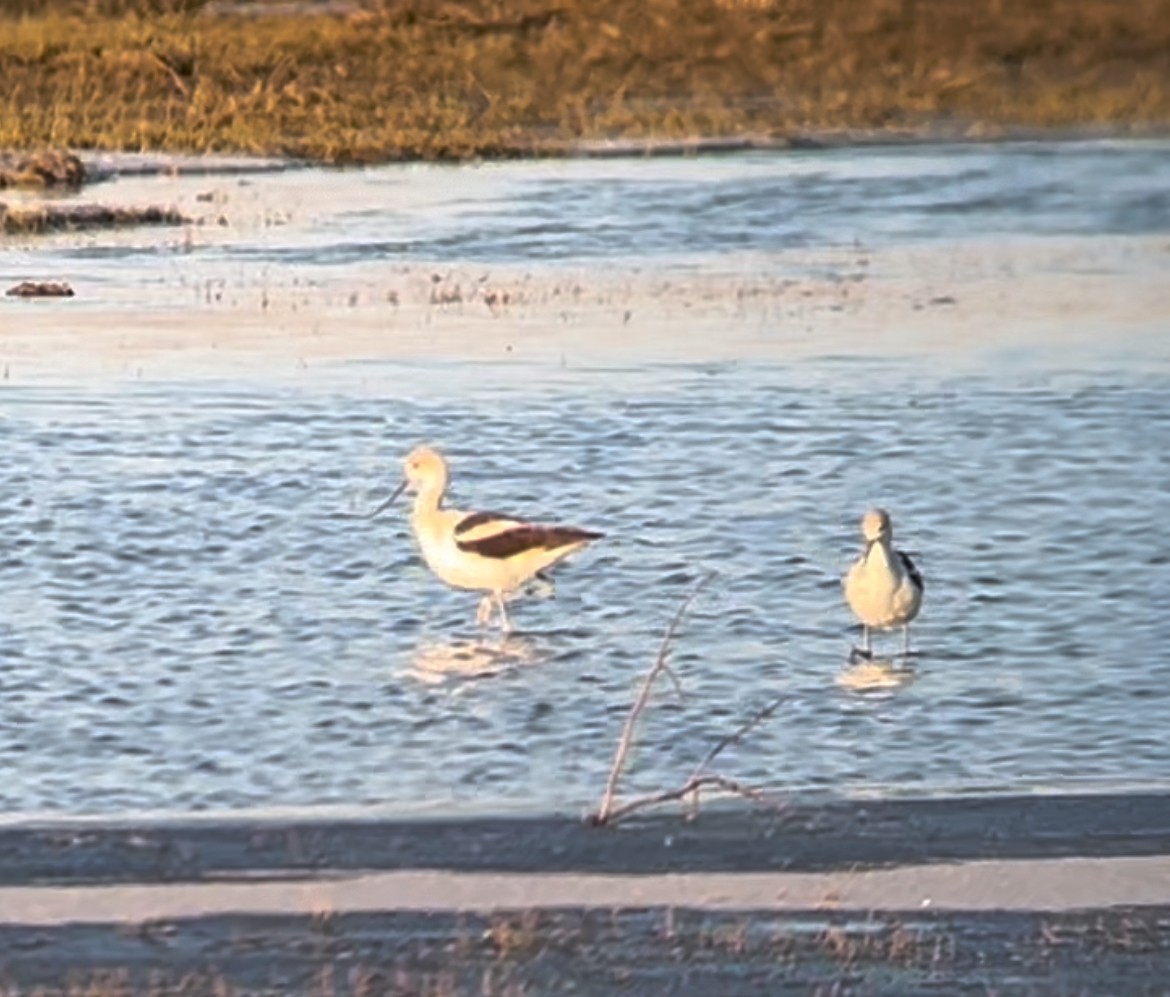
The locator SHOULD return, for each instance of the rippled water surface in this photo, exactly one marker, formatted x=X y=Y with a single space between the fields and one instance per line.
x=196 y=615
x=603 y=210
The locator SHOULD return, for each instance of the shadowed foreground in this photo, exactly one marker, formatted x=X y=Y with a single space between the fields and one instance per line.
x=603 y=951
x=1045 y=895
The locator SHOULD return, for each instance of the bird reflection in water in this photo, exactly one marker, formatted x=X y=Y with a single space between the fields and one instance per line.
x=467 y=658
x=875 y=675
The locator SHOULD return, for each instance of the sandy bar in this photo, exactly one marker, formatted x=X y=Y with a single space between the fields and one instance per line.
x=1055 y=885
x=181 y=306
x=1078 y=300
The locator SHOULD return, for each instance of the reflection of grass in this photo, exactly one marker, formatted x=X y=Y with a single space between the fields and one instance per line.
x=458 y=78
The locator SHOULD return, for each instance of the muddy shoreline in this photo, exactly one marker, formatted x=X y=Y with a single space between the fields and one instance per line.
x=36 y=216
x=96 y=166
x=830 y=935
x=793 y=837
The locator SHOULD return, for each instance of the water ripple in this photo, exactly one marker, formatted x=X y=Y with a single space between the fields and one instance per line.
x=197 y=618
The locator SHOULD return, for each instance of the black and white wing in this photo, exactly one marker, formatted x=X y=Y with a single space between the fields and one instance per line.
x=494 y=535
x=912 y=570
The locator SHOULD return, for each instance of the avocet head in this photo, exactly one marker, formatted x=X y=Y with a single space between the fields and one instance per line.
x=875 y=525
x=421 y=468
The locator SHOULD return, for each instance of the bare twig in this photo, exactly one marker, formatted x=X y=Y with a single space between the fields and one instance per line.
x=690 y=787
x=696 y=780
x=742 y=731
x=660 y=665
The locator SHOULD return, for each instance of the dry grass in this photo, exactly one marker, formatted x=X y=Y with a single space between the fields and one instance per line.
x=45 y=218
x=460 y=78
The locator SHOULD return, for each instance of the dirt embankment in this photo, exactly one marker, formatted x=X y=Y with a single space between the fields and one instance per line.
x=369 y=81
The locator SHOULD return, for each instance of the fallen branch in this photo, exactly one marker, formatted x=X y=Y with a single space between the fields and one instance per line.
x=660 y=665
x=701 y=777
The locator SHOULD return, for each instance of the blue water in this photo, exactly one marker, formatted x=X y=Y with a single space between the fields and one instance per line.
x=196 y=616
x=541 y=212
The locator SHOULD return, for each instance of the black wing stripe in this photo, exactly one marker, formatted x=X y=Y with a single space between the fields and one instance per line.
x=912 y=571
x=510 y=543
x=474 y=519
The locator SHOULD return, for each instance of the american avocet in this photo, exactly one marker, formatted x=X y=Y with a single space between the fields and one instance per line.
x=883 y=588
x=480 y=551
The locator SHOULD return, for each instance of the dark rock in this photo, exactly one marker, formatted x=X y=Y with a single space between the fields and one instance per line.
x=40 y=289
x=41 y=169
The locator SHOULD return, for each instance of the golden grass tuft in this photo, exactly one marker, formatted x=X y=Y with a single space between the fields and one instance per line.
x=41 y=219
x=453 y=79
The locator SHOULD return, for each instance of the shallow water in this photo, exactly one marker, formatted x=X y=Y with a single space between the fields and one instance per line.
x=196 y=616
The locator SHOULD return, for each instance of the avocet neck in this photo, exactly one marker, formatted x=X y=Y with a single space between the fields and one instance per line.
x=877 y=554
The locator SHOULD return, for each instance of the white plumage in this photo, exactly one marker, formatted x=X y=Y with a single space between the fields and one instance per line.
x=883 y=587
x=479 y=551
